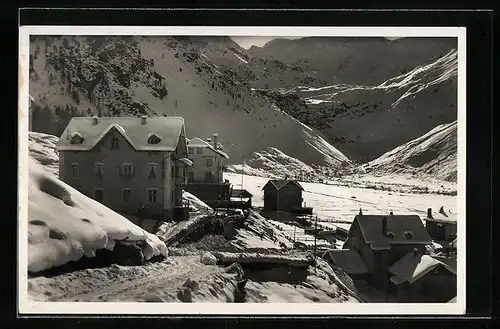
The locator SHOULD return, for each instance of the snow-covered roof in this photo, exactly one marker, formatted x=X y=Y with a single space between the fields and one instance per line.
x=186 y=161
x=198 y=142
x=399 y=225
x=349 y=260
x=414 y=266
x=280 y=183
x=131 y=128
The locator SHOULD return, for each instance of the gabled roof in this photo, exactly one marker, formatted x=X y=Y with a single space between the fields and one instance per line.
x=131 y=128
x=349 y=260
x=278 y=184
x=371 y=229
x=413 y=267
x=198 y=142
x=238 y=193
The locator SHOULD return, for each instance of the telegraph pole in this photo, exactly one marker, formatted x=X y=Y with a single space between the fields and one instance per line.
x=315 y=233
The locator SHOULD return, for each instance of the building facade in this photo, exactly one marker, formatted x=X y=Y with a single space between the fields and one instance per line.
x=441 y=226
x=127 y=163
x=209 y=161
x=282 y=195
x=383 y=240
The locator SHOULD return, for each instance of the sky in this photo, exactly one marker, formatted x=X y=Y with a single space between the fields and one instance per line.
x=247 y=42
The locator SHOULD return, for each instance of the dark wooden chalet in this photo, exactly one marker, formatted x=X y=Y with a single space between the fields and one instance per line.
x=282 y=195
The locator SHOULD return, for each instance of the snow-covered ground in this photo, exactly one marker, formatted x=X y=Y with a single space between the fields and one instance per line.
x=154 y=282
x=341 y=203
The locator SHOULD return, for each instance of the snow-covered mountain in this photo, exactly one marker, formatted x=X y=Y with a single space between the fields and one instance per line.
x=178 y=76
x=352 y=60
x=366 y=121
x=433 y=154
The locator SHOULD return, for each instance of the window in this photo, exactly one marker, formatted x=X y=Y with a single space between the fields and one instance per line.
x=209 y=162
x=154 y=139
x=152 y=195
x=99 y=194
x=152 y=170
x=114 y=143
x=99 y=169
x=208 y=177
x=127 y=194
x=127 y=170
x=173 y=172
x=74 y=170
x=199 y=150
x=191 y=176
x=191 y=150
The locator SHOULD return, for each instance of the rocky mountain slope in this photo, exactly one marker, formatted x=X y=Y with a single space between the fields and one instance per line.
x=78 y=75
x=321 y=101
x=354 y=60
x=433 y=154
x=366 y=121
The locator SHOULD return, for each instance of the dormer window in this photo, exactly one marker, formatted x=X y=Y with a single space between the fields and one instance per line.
x=76 y=138
x=390 y=235
x=408 y=235
x=114 y=143
x=154 y=139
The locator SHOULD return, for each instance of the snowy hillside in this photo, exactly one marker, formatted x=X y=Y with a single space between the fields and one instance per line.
x=365 y=121
x=64 y=225
x=165 y=76
x=412 y=82
x=353 y=60
x=433 y=154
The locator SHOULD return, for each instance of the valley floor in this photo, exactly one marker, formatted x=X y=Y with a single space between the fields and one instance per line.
x=183 y=276
x=340 y=200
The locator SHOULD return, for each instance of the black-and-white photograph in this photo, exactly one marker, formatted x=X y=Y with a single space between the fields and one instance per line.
x=237 y=168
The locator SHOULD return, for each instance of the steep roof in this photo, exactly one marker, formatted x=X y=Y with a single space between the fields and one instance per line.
x=278 y=184
x=413 y=267
x=198 y=142
x=132 y=129
x=239 y=193
x=349 y=260
x=399 y=225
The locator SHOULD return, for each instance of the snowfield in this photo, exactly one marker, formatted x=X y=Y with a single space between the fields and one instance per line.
x=341 y=200
x=65 y=225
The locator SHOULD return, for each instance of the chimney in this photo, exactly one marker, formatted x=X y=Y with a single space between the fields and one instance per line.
x=95 y=120
x=429 y=213
x=144 y=119
x=215 y=139
x=360 y=211
x=391 y=213
x=384 y=226
x=209 y=140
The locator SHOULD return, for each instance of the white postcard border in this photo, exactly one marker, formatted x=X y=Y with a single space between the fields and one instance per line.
x=28 y=307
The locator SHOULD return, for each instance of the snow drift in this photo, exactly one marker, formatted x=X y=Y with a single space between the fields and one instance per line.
x=65 y=225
